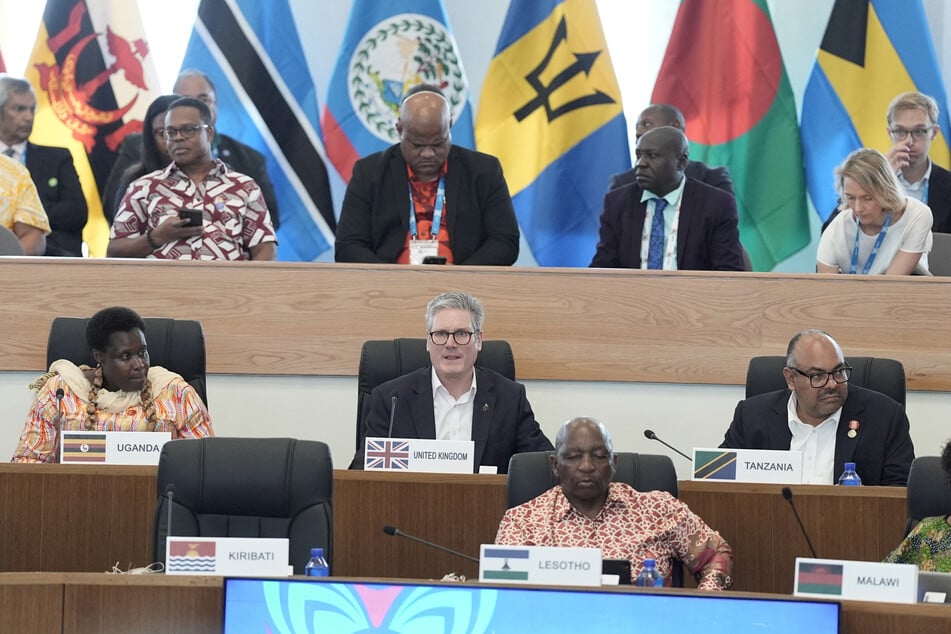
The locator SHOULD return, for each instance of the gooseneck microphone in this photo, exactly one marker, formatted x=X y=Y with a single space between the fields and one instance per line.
x=650 y=435
x=393 y=398
x=787 y=494
x=170 y=496
x=58 y=420
x=392 y=530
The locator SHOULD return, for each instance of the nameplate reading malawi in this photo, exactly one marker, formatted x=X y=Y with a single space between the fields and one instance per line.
x=543 y=565
x=858 y=580
x=227 y=556
x=748 y=465
x=421 y=456
x=112 y=447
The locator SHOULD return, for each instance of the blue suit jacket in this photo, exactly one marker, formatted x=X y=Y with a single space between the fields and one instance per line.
x=57 y=183
x=503 y=423
x=881 y=450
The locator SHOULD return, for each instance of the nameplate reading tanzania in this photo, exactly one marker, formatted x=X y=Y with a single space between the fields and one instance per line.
x=417 y=455
x=748 y=465
x=112 y=447
x=857 y=580
x=227 y=556
x=543 y=565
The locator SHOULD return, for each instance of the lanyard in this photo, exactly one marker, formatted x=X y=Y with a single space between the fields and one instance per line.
x=437 y=210
x=671 y=245
x=875 y=248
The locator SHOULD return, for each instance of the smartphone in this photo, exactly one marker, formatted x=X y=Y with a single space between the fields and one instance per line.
x=434 y=259
x=194 y=217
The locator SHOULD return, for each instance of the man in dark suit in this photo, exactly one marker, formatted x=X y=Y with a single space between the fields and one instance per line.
x=829 y=421
x=452 y=399
x=659 y=115
x=462 y=209
x=696 y=229
x=51 y=168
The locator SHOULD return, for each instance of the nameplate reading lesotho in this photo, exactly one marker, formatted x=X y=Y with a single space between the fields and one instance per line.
x=112 y=447
x=227 y=556
x=416 y=455
x=857 y=580
x=542 y=565
x=748 y=465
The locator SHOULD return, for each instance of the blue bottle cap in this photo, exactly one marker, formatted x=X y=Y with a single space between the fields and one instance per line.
x=316 y=552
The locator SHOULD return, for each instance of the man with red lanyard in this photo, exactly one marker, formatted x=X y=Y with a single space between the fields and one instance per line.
x=425 y=198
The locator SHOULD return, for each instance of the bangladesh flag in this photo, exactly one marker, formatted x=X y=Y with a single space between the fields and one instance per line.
x=724 y=71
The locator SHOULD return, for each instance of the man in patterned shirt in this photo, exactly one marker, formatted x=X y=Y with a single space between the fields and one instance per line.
x=235 y=221
x=587 y=510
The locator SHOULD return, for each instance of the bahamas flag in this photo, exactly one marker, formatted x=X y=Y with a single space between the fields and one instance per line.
x=266 y=99
x=724 y=71
x=388 y=48
x=551 y=111
x=94 y=79
x=872 y=51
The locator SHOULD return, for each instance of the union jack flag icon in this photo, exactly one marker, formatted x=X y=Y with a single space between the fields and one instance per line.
x=392 y=455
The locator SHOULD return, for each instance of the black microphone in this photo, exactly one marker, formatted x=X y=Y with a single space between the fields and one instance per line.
x=170 y=496
x=393 y=398
x=58 y=420
x=652 y=436
x=787 y=493
x=392 y=530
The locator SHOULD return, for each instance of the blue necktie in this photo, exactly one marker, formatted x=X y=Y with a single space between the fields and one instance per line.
x=655 y=251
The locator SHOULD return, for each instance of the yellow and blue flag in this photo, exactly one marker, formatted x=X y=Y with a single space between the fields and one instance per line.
x=872 y=50
x=550 y=110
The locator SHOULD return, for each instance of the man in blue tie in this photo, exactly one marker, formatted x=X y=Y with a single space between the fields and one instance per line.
x=665 y=220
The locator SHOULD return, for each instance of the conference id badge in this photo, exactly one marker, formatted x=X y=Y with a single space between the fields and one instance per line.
x=420 y=249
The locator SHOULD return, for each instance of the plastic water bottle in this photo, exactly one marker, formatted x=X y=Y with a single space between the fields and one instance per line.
x=849 y=477
x=649 y=577
x=317 y=566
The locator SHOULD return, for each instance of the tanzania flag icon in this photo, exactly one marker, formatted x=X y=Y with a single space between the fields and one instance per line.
x=714 y=465
x=505 y=564
x=84 y=447
x=816 y=578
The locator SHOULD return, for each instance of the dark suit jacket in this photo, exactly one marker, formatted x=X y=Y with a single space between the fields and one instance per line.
x=57 y=183
x=503 y=423
x=882 y=450
x=374 y=219
x=718 y=177
x=239 y=157
x=708 y=237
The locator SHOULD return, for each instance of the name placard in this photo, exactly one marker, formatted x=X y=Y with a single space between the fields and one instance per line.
x=748 y=465
x=541 y=565
x=417 y=455
x=858 y=580
x=227 y=556
x=112 y=447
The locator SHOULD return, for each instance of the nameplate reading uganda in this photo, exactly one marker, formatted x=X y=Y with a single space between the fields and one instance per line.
x=227 y=556
x=748 y=465
x=542 y=565
x=857 y=580
x=417 y=455
x=112 y=447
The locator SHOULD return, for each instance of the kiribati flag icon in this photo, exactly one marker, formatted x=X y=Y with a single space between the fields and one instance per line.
x=190 y=556
x=714 y=465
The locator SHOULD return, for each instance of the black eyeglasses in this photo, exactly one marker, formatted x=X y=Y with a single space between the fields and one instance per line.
x=917 y=134
x=187 y=131
x=441 y=337
x=820 y=379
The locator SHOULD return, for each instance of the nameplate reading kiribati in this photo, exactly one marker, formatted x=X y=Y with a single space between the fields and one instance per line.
x=112 y=447
x=227 y=556
x=422 y=456
x=542 y=565
x=748 y=465
x=858 y=580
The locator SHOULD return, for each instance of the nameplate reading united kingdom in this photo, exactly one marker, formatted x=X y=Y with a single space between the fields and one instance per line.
x=858 y=580
x=112 y=447
x=417 y=455
x=748 y=465
x=227 y=556
x=543 y=565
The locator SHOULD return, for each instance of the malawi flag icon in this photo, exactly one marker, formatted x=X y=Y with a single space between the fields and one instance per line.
x=715 y=465
x=818 y=578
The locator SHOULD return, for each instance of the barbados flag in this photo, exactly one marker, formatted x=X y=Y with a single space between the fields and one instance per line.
x=872 y=50
x=551 y=111
x=251 y=51
x=388 y=48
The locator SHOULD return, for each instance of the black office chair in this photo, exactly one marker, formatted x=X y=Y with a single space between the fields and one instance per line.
x=247 y=487
x=530 y=475
x=174 y=344
x=765 y=374
x=10 y=243
x=382 y=361
x=929 y=491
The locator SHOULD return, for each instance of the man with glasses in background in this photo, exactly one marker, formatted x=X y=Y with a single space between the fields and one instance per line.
x=912 y=126
x=454 y=400
x=830 y=422
x=196 y=208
